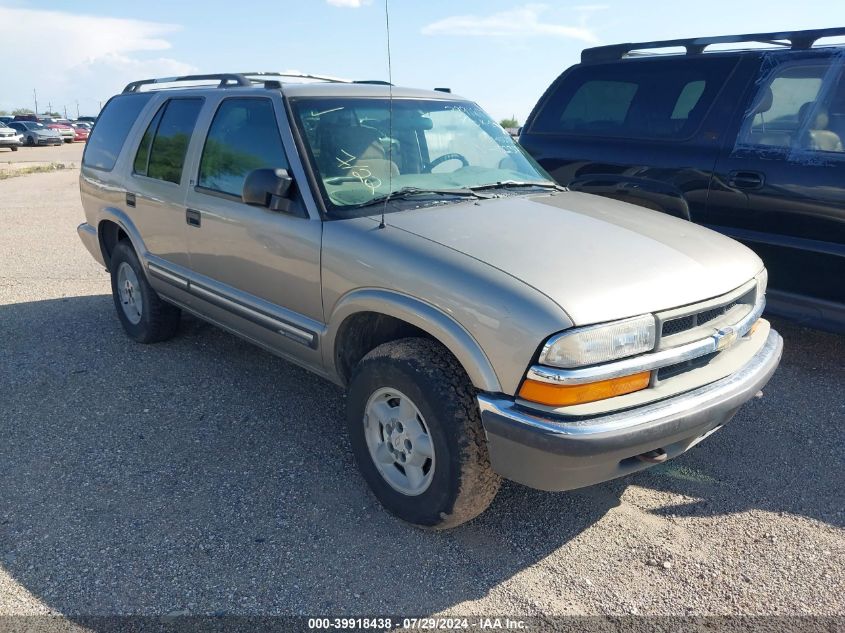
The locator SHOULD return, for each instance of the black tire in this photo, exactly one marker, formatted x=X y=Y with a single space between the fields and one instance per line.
x=159 y=320
x=30 y=140
x=14 y=148
x=463 y=484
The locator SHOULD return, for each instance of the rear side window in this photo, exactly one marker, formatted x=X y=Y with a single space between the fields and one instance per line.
x=113 y=125
x=663 y=99
x=243 y=136
x=161 y=154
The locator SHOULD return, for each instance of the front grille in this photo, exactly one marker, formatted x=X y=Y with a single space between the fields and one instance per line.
x=690 y=321
x=670 y=371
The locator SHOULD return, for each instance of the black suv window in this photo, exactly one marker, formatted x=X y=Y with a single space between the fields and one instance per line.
x=663 y=99
x=243 y=136
x=800 y=106
x=109 y=134
x=161 y=154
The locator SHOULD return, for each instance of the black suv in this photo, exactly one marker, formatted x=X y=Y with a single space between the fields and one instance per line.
x=748 y=142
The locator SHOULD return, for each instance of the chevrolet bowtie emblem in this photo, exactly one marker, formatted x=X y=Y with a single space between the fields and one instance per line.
x=725 y=337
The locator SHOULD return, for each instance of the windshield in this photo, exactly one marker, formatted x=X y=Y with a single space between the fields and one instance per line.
x=360 y=155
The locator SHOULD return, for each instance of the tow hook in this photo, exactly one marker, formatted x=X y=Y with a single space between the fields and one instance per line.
x=656 y=456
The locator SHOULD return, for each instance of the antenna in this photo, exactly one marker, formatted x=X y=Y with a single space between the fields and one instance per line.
x=389 y=115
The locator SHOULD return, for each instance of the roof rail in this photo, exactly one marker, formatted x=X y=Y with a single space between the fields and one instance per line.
x=225 y=79
x=796 y=40
x=296 y=74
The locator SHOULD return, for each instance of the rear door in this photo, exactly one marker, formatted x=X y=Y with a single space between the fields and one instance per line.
x=780 y=186
x=256 y=270
x=645 y=131
x=156 y=189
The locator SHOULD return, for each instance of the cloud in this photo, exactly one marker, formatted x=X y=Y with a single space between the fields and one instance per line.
x=349 y=4
x=68 y=57
x=518 y=22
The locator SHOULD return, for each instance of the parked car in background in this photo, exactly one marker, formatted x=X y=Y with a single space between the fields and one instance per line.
x=6 y=119
x=80 y=132
x=35 y=133
x=747 y=142
x=65 y=131
x=486 y=322
x=87 y=119
x=10 y=137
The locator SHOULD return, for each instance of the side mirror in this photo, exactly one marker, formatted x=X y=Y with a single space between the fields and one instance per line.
x=268 y=188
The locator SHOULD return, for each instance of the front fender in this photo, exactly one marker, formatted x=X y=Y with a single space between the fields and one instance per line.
x=419 y=314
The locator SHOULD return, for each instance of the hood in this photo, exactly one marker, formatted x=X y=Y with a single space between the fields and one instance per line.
x=599 y=259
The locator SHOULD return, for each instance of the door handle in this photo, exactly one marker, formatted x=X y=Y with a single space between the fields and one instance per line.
x=130 y=199
x=746 y=179
x=192 y=217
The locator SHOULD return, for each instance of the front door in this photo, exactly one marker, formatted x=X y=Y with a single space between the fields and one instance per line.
x=780 y=188
x=256 y=270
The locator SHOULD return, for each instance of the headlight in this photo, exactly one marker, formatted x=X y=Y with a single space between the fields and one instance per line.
x=600 y=343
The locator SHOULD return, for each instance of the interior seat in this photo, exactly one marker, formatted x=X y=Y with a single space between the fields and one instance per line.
x=343 y=147
x=818 y=136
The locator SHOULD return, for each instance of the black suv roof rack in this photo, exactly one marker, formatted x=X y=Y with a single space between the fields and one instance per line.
x=796 y=40
x=228 y=80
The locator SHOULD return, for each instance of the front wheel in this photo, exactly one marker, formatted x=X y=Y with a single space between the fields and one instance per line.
x=14 y=148
x=416 y=434
x=142 y=313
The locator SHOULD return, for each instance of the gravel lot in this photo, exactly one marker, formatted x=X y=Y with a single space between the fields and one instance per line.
x=203 y=475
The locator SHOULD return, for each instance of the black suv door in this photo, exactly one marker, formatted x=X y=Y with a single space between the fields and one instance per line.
x=780 y=187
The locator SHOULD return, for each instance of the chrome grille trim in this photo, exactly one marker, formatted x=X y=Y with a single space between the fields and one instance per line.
x=720 y=339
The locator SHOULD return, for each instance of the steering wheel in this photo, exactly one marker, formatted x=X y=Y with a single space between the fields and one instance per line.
x=450 y=156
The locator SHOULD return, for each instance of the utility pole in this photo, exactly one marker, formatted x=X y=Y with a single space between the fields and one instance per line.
x=49 y=106
x=65 y=108
x=35 y=94
x=77 y=108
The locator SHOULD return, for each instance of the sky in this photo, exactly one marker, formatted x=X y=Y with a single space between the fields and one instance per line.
x=500 y=53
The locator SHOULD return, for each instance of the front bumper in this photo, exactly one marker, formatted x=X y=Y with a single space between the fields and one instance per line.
x=10 y=141
x=550 y=453
x=48 y=140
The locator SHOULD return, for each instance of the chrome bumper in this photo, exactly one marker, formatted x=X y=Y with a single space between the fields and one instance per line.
x=555 y=454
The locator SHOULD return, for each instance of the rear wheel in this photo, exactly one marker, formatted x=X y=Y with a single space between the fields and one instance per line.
x=142 y=313
x=416 y=433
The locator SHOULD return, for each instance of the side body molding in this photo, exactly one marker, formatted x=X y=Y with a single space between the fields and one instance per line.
x=420 y=314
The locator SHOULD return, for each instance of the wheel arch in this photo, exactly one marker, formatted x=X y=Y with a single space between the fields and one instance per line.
x=112 y=226
x=366 y=318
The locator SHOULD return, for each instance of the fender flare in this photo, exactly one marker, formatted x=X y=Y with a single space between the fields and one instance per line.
x=111 y=214
x=420 y=314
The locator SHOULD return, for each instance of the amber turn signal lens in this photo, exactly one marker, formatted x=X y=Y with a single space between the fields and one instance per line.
x=554 y=395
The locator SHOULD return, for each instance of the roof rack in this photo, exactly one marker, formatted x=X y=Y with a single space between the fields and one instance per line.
x=795 y=40
x=228 y=80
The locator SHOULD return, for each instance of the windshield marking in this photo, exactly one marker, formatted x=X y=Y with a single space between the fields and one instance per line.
x=368 y=180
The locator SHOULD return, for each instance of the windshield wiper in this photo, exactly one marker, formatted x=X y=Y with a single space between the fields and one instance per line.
x=502 y=184
x=408 y=193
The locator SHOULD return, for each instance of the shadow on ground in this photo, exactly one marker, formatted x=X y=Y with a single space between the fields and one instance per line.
x=204 y=474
